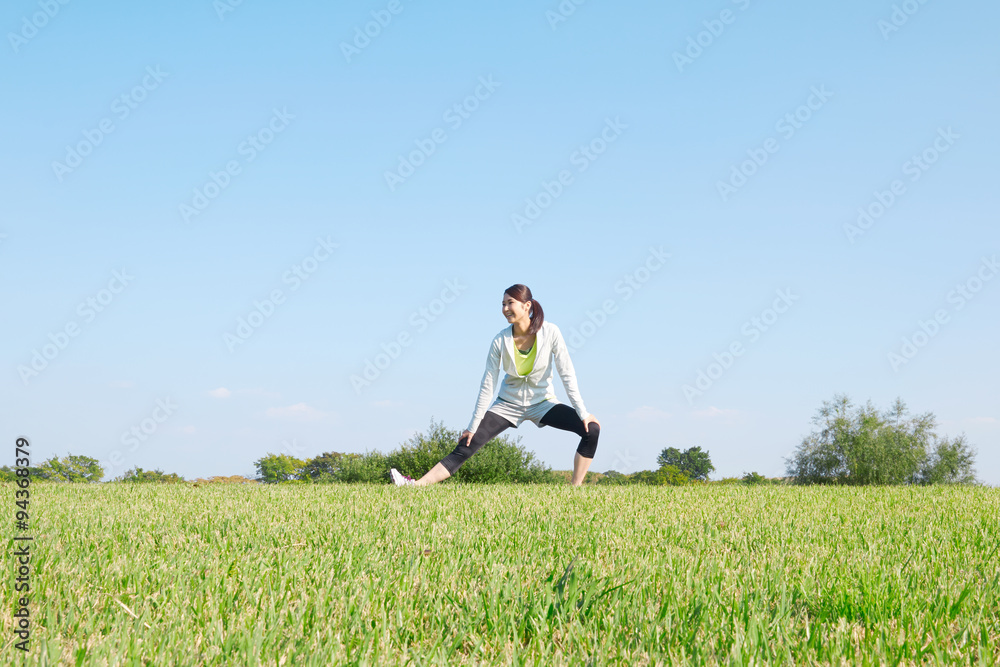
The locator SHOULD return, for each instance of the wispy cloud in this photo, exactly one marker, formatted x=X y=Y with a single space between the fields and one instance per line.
x=221 y=392
x=984 y=420
x=300 y=411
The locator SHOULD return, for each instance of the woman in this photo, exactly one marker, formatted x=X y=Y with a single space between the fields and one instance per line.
x=526 y=350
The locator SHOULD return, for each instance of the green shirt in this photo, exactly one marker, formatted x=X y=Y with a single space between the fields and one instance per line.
x=525 y=361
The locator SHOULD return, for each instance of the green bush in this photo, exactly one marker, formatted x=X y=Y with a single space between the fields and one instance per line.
x=667 y=475
x=949 y=462
x=369 y=467
x=273 y=468
x=137 y=474
x=865 y=447
x=694 y=463
x=613 y=478
x=753 y=478
x=68 y=469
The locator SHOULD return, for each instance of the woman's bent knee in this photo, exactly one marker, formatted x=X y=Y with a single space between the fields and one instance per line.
x=588 y=443
x=454 y=461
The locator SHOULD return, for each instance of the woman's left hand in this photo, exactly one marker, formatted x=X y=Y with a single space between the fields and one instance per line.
x=590 y=418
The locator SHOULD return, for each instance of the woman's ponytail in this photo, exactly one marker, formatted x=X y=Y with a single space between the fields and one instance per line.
x=537 y=317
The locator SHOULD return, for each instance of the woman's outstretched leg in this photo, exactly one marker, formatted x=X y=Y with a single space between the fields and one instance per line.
x=564 y=417
x=490 y=427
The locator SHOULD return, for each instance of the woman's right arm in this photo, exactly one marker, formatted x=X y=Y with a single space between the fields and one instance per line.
x=488 y=386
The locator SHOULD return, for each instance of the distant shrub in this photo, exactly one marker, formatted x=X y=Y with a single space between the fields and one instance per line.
x=694 y=463
x=863 y=447
x=137 y=474
x=948 y=462
x=566 y=476
x=613 y=477
x=753 y=478
x=272 y=468
x=71 y=468
x=331 y=467
x=222 y=479
x=667 y=475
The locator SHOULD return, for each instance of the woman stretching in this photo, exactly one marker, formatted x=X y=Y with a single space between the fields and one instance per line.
x=526 y=351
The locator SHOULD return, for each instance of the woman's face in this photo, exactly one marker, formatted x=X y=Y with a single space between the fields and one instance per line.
x=514 y=309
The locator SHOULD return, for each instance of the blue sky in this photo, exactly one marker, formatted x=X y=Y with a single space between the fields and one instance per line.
x=186 y=165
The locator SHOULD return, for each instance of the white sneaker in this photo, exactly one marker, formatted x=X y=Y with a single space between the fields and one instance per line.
x=399 y=479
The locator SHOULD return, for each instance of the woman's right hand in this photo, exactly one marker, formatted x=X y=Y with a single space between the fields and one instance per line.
x=465 y=434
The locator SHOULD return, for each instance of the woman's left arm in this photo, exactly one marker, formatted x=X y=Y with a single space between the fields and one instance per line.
x=564 y=366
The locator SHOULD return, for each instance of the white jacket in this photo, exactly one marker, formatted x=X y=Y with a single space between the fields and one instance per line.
x=534 y=387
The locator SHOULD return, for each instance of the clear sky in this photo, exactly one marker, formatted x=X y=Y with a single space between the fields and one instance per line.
x=665 y=177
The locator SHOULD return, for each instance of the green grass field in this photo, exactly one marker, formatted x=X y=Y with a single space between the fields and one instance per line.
x=545 y=575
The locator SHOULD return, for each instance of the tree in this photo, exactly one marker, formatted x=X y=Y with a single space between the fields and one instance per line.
x=667 y=475
x=863 y=446
x=951 y=462
x=693 y=462
x=273 y=468
x=370 y=467
x=139 y=475
x=753 y=478
x=69 y=469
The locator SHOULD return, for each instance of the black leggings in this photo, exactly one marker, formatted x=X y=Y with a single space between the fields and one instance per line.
x=561 y=416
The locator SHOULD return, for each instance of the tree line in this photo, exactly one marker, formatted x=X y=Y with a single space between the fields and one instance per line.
x=851 y=445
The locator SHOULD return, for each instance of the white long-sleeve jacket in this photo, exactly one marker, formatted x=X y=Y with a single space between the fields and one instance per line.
x=534 y=387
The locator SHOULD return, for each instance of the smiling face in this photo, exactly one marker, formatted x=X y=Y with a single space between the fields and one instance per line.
x=515 y=310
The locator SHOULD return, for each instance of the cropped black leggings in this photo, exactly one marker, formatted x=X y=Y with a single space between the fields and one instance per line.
x=561 y=416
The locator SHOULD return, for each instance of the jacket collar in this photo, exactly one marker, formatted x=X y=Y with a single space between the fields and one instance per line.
x=508 y=339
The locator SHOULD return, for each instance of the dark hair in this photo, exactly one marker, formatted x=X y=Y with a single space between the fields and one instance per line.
x=523 y=294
